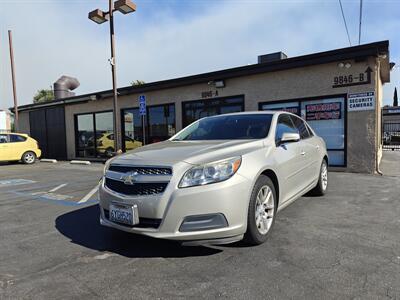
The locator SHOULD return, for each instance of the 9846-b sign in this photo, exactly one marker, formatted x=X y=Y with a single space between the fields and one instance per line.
x=350 y=80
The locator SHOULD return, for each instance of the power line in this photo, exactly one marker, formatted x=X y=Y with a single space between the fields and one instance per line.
x=359 y=27
x=345 y=23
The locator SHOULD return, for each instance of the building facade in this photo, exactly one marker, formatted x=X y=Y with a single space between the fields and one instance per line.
x=5 y=121
x=338 y=92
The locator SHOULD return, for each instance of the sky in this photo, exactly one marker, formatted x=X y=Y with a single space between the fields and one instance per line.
x=166 y=39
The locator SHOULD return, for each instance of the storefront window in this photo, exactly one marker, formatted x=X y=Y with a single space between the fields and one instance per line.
x=94 y=135
x=85 y=136
x=160 y=125
x=195 y=110
x=133 y=129
x=104 y=134
x=326 y=117
x=292 y=107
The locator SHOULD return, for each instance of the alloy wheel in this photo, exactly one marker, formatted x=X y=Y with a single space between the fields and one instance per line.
x=265 y=209
x=324 y=176
x=29 y=158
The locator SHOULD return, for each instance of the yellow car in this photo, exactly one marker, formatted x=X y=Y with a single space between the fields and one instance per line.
x=105 y=144
x=18 y=146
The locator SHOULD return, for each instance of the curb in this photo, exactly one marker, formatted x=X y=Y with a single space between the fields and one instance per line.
x=49 y=160
x=80 y=162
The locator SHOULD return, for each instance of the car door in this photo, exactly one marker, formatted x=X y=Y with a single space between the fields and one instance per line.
x=309 y=151
x=4 y=149
x=289 y=160
x=17 y=146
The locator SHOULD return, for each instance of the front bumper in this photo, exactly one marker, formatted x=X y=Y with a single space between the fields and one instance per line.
x=228 y=198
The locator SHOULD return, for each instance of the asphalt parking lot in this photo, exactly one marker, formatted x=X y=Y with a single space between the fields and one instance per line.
x=343 y=245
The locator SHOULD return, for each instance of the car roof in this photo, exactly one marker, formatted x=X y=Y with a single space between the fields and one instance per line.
x=261 y=112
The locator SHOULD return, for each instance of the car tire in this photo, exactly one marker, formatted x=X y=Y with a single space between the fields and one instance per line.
x=262 y=211
x=322 y=184
x=29 y=157
x=109 y=152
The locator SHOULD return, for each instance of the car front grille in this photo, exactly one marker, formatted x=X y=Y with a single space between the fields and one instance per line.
x=143 y=222
x=139 y=189
x=141 y=170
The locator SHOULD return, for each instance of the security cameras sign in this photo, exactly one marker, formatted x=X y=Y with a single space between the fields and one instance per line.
x=361 y=101
x=142 y=105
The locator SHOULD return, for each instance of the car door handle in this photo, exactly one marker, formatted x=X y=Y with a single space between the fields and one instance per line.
x=303 y=153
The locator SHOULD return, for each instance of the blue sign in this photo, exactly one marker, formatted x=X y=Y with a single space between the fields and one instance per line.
x=142 y=105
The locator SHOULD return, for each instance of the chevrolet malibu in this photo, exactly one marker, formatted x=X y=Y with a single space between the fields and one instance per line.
x=219 y=180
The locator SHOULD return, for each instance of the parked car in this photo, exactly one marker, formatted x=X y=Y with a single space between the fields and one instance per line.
x=219 y=180
x=18 y=146
x=105 y=144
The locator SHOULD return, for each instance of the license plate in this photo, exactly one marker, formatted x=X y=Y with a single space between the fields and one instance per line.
x=123 y=214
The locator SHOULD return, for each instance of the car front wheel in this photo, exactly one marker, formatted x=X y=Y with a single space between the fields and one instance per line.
x=29 y=157
x=262 y=211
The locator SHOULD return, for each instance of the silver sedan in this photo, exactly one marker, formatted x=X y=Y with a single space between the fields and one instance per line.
x=219 y=180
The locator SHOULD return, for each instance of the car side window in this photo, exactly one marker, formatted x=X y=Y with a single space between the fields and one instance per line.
x=284 y=125
x=16 y=138
x=3 y=138
x=301 y=127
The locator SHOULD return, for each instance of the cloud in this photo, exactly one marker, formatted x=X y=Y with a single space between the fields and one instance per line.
x=52 y=38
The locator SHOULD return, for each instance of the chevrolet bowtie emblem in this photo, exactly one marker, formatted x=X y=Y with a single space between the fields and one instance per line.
x=129 y=178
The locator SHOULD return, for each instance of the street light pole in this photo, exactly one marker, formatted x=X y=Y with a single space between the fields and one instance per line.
x=99 y=17
x=117 y=121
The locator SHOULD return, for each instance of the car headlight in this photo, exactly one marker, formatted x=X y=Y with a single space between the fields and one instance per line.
x=211 y=172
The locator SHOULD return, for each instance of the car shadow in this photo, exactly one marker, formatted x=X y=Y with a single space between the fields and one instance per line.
x=82 y=227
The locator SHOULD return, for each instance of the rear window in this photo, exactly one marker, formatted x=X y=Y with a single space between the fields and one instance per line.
x=17 y=138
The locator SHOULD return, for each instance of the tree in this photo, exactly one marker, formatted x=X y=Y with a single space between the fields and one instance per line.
x=137 y=82
x=43 y=95
x=395 y=101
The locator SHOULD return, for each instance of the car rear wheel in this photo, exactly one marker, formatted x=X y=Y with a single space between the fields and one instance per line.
x=262 y=211
x=109 y=152
x=29 y=157
x=322 y=184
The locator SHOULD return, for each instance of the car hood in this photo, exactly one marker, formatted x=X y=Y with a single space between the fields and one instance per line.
x=192 y=152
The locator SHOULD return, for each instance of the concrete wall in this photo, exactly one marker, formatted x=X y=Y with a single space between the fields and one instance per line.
x=23 y=120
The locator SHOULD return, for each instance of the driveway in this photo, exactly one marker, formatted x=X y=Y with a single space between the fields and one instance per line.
x=344 y=245
x=390 y=163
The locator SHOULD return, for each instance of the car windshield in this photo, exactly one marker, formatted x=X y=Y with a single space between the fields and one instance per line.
x=228 y=127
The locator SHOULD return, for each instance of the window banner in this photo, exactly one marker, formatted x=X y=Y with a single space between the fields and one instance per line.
x=293 y=109
x=324 y=111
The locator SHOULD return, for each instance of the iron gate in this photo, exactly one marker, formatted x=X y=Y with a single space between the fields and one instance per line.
x=391 y=136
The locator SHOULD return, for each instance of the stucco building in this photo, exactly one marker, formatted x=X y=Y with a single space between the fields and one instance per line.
x=338 y=92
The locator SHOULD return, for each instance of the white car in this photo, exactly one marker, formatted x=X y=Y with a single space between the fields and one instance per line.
x=219 y=180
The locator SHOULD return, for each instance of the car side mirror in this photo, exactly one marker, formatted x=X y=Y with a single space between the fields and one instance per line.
x=289 y=138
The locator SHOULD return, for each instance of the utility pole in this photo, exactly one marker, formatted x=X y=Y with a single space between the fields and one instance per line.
x=117 y=120
x=13 y=81
x=98 y=16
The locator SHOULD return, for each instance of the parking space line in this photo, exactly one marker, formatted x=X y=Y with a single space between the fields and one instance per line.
x=89 y=195
x=58 y=187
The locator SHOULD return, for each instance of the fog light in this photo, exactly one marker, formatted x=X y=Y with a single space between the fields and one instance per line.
x=203 y=222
